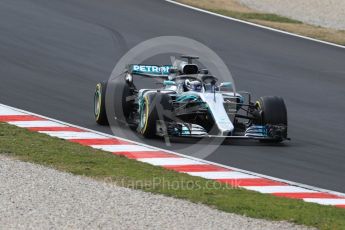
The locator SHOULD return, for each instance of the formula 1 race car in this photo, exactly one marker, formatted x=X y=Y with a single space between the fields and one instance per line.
x=191 y=104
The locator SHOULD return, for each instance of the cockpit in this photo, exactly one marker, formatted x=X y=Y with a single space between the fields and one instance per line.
x=192 y=85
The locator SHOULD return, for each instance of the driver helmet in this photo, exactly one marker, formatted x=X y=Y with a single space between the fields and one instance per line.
x=193 y=85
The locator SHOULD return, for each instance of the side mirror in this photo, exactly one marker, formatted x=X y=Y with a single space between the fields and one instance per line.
x=225 y=86
x=166 y=82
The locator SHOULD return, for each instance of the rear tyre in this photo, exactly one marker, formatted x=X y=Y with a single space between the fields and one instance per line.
x=272 y=112
x=99 y=104
x=156 y=106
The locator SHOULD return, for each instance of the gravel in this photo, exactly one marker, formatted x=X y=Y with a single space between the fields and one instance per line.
x=326 y=13
x=36 y=197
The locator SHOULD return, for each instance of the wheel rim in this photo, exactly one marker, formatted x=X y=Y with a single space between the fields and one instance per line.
x=97 y=102
x=144 y=116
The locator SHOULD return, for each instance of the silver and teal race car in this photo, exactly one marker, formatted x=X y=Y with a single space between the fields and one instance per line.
x=190 y=103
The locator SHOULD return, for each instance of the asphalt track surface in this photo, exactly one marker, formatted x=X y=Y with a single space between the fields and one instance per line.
x=52 y=53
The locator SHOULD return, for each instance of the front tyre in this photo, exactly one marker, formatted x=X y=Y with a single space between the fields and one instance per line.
x=273 y=113
x=99 y=104
x=154 y=107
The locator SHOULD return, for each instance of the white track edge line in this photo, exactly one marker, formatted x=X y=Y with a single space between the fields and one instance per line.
x=254 y=24
x=310 y=187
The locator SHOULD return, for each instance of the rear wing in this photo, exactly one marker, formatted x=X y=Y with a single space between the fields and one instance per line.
x=149 y=70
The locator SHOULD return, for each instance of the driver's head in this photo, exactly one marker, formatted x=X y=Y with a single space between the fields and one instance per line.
x=193 y=85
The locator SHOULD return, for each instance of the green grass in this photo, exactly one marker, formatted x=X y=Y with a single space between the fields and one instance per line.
x=255 y=16
x=82 y=160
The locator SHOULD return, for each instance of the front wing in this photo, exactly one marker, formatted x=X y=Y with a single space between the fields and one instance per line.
x=254 y=132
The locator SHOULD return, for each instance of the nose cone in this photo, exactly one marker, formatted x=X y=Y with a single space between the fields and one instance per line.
x=215 y=104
